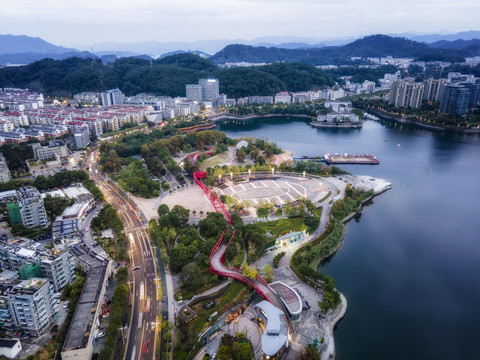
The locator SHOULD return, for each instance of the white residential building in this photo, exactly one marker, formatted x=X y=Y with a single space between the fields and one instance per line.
x=283 y=97
x=33 y=306
x=5 y=174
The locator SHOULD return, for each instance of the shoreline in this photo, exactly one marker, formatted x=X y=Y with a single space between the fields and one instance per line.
x=244 y=118
x=421 y=125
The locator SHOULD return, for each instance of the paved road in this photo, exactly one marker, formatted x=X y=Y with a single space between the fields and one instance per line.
x=141 y=335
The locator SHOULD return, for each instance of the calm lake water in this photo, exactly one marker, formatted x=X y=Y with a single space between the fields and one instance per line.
x=410 y=266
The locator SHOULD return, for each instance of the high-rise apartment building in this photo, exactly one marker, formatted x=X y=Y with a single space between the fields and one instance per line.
x=433 y=89
x=81 y=136
x=112 y=97
x=27 y=207
x=32 y=305
x=459 y=97
x=406 y=93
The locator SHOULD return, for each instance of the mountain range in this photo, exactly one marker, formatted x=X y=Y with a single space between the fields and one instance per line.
x=24 y=49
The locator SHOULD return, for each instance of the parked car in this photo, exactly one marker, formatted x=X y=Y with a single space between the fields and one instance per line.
x=54 y=328
x=65 y=304
x=100 y=334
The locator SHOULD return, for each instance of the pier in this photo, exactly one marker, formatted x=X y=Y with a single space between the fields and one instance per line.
x=346 y=159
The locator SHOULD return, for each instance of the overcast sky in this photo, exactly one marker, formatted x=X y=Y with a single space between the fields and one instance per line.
x=86 y=22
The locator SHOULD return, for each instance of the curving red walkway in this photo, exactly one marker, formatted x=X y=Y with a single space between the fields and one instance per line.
x=218 y=251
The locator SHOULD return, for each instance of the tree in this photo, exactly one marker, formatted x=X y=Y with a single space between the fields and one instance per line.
x=254 y=154
x=224 y=352
x=268 y=273
x=262 y=213
x=248 y=271
x=310 y=353
x=181 y=213
x=242 y=351
x=191 y=277
x=241 y=155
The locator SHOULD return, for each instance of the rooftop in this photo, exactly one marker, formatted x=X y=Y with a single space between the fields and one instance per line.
x=289 y=297
x=276 y=332
x=79 y=331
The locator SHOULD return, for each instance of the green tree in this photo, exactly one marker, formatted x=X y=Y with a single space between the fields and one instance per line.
x=268 y=273
x=241 y=156
x=163 y=210
x=248 y=271
x=262 y=213
x=191 y=277
x=242 y=351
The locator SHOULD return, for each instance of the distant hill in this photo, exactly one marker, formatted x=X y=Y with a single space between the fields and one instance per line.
x=370 y=46
x=187 y=61
x=196 y=52
x=431 y=38
x=17 y=44
x=22 y=49
x=467 y=47
x=27 y=58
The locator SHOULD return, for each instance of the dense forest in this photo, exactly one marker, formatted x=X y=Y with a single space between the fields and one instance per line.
x=291 y=69
x=167 y=76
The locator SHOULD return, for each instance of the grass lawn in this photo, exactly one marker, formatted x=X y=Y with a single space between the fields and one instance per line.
x=214 y=160
x=109 y=246
x=281 y=226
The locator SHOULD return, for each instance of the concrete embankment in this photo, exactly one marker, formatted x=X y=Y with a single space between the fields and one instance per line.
x=250 y=117
x=422 y=125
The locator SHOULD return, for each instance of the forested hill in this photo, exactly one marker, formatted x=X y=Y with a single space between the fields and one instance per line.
x=167 y=76
x=370 y=46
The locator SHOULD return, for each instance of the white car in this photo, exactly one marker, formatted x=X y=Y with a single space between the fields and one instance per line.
x=65 y=304
x=100 y=334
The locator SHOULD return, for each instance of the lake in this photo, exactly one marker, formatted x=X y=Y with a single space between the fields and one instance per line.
x=410 y=265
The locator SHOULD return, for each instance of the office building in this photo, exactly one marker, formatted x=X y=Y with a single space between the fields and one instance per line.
x=55 y=150
x=81 y=135
x=27 y=208
x=194 y=92
x=5 y=174
x=112 y=97
x=210 y=88
x=32 y=305
x=406 y=93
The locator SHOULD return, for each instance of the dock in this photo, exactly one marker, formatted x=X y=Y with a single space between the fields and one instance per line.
x=351 y=159
x=345 y=159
